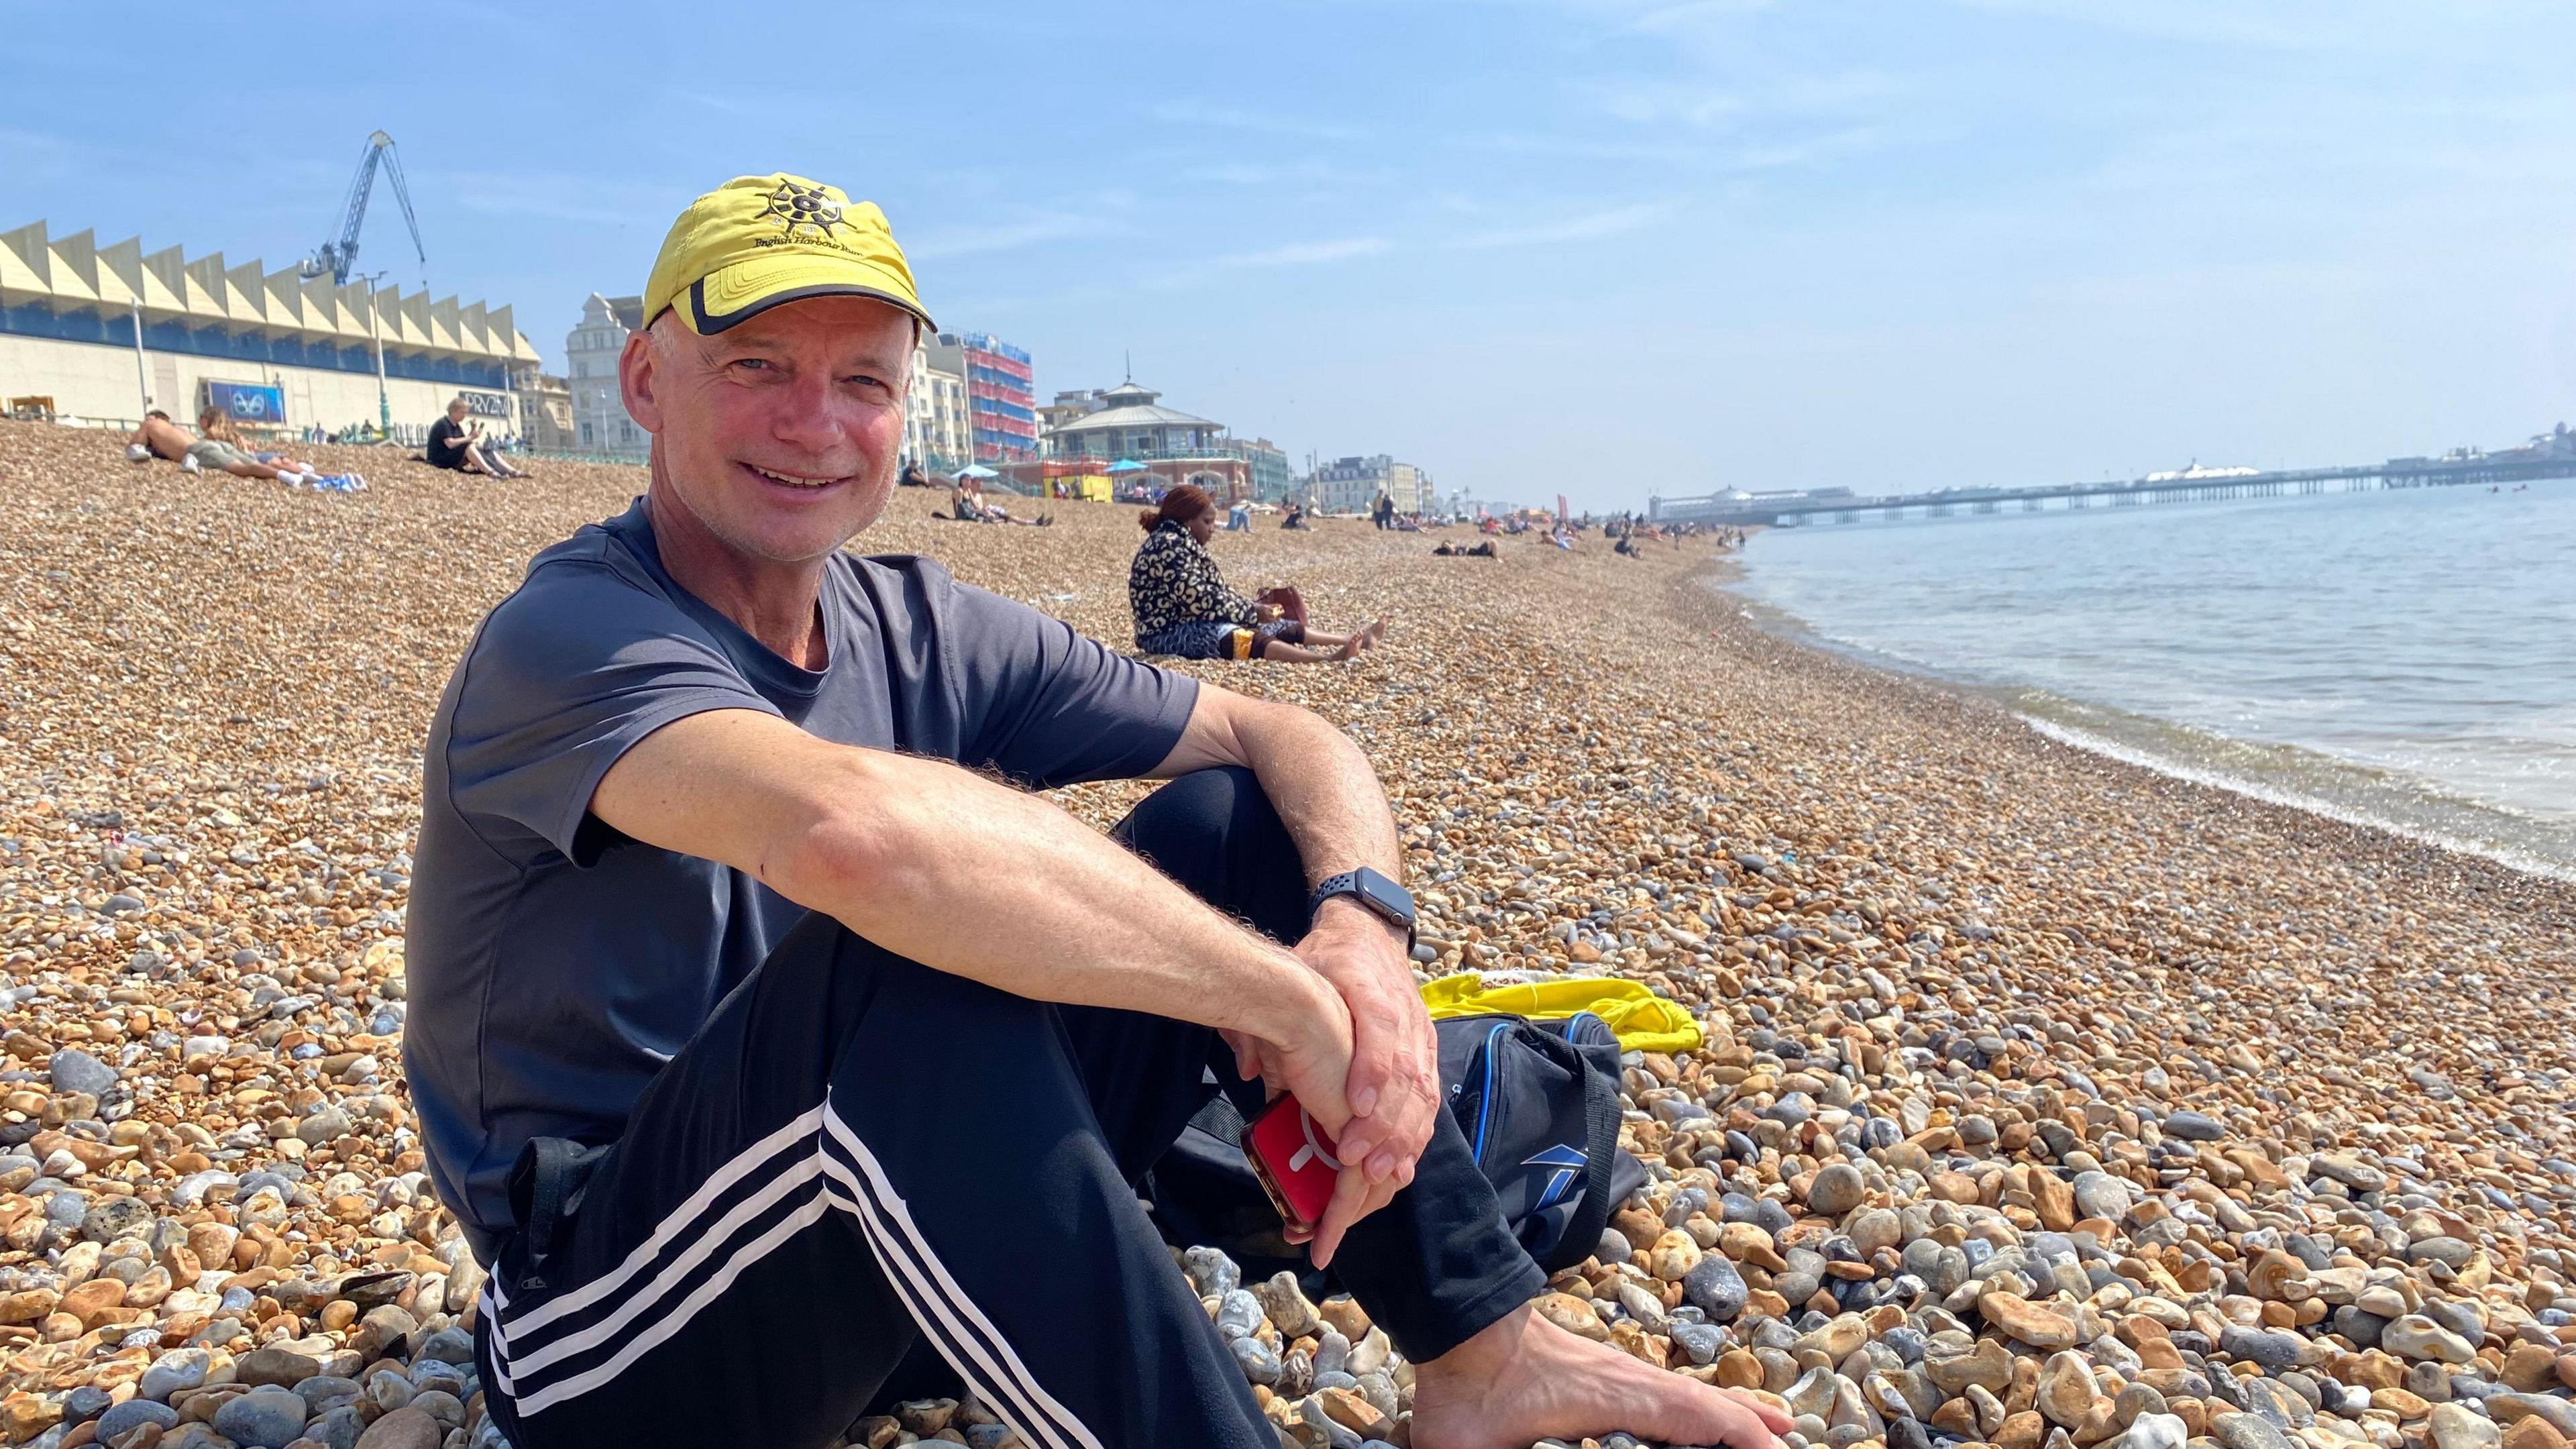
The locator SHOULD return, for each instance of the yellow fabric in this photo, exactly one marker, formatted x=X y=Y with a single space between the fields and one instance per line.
x=1238 y=643
x=1643 y=1021
x=757 y=241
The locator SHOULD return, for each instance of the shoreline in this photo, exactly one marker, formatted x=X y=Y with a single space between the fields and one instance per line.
x=1728 y=571
x=2290 y=813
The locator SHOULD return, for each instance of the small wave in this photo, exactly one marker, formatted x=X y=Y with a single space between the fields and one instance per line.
x=2104 y=745
x=2355 y=792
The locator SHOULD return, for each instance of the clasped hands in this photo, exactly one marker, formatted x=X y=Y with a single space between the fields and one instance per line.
x=1366 y=1067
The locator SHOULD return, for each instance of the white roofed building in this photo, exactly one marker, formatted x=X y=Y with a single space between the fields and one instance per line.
x=279 y=351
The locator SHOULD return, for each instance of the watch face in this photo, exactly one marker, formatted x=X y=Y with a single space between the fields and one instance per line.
x=1386 y=896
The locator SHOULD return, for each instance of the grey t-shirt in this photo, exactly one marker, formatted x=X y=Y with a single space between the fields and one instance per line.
x=554 y=964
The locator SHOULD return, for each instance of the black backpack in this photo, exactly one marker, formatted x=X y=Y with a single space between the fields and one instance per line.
x=1538 y=1102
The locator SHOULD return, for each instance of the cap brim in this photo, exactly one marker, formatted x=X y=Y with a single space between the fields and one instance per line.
x=731 y=296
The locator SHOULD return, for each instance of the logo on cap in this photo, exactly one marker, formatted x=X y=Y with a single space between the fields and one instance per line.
x=796 y=206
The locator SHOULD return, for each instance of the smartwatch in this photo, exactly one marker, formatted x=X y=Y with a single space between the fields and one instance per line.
x=1389 y=900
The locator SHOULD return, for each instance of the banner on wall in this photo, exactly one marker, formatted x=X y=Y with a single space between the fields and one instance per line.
x=248 y=402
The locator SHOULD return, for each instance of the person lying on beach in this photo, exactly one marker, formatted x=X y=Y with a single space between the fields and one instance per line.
x=216 y=426
x=770 y=1028
x=1482 y=550
x=1183 y=607
x=459 y=447
x=159 y=437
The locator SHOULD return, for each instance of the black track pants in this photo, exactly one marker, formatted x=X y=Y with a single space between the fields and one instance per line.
x=857 y=1150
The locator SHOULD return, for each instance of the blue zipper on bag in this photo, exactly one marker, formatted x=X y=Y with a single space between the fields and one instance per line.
x=1485 y=1108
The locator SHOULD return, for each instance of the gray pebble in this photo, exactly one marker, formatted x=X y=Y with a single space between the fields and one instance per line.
x=338 y=1429
x=132 y=1414
x=1715 y=1288
x=180 y=1368
x=1837 y=1190
x=265 y=1418
x=1258 y=1363
x=75 y=1070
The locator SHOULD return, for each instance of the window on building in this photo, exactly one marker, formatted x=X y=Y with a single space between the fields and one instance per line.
x=585 y=435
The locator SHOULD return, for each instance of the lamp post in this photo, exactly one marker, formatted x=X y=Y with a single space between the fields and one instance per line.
x=376 y=333
x=142 y=377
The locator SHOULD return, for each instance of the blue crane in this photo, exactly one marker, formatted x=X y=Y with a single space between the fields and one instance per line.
x=337 y=258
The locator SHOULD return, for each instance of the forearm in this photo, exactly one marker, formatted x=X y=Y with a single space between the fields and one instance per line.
x=974 y=878
x=1324 y=790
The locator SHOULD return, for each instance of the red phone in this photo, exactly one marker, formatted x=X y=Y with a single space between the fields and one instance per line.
x=1294 y=1158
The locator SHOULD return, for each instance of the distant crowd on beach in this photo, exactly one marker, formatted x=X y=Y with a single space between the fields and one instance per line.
x=1184 y=608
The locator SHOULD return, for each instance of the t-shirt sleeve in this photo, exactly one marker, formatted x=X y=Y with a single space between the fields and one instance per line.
x=566 y=676
x=1051 y=707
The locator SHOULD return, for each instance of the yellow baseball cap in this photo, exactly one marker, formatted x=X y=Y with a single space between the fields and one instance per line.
x=757 y=241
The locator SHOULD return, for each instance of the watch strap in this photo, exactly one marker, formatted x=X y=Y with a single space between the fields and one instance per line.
x=1345 y=884
x=1348 y=884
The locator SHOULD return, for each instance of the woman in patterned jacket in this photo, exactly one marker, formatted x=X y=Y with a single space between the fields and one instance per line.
x=1183 y=606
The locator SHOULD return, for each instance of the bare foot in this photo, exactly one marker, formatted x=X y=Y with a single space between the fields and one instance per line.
x=1351 y=647
x=1523 y=1379
x=1375 y=631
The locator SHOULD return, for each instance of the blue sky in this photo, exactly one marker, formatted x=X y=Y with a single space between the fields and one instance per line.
x=1599 y=247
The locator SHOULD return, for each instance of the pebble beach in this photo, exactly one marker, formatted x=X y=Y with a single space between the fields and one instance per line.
x=2045 y=1101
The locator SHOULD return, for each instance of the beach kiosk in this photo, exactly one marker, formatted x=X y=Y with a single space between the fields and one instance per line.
x=1073 y=478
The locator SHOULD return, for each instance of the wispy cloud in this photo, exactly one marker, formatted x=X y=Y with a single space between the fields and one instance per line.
x=1661 y=19
x=1013 y=235
x=1288 y=173
x=36 y=155
x=2383 y=26
x=551 y=195
x=1201 y=113
x=1591 y=226
x=1665 y=103
x=743 y=106
x=1709 y=104
x=1575 y=148
x=1805 y=150
x=1201 y=271
x=1302 y=254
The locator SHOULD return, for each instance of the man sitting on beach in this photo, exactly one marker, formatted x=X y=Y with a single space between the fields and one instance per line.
x=461 y=447
x=759 y=1028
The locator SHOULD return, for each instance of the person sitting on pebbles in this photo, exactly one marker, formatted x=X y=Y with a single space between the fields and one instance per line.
x=1183 y=607
x=768 y=1029
x=966 y=501
x=460 y=447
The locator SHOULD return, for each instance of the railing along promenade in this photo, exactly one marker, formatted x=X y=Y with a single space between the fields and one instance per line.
x=2396 y=473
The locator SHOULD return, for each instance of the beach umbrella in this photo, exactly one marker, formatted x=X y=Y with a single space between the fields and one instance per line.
x=977 y=471
x=1126 y=465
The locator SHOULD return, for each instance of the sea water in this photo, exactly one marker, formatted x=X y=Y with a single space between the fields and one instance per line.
x=2402 y=658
